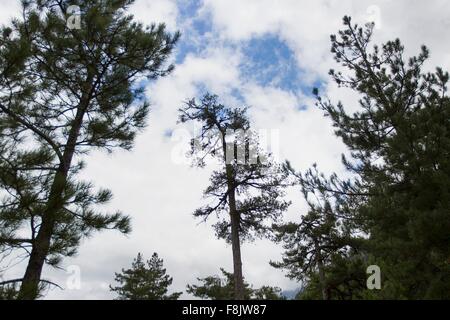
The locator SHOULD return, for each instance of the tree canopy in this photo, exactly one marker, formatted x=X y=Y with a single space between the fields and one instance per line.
x=144 y=281
x=393 y=211
x=66 y=91
x=222 y=288
x=248 y=189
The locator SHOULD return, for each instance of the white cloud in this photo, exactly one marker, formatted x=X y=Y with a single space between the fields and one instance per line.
x=306 y=136
x=217 y=69
x=156 y=11
x=306 y=25
x=10 y=9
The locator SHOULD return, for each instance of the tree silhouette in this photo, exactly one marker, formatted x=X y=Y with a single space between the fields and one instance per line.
x=248 y=188
x=144 y=282
x=65 y=92
x=222 y=288
x=397 y=197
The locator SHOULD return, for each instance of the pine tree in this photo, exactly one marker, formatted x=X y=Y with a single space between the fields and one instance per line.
x=66 y=91
x=8 y=291
x=217 y=287
x=222 y=288
x=268 y=293
x=317 y=248
x=397 y=195
x=247 y=190
x=144 y=282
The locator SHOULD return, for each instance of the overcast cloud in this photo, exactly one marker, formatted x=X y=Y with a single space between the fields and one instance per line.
x=268 y=54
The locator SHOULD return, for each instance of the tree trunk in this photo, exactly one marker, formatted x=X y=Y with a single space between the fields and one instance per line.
x=29 y=289
x=236 y=248
x=235 y=222
x=319 y=261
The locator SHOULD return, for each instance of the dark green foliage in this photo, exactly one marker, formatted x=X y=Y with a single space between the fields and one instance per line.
x=217 y=288
x=9 y=292
x=222 y=288
x=321 y=250
x=10 y=289
x=268 y=293
x=144 y=282
x=397 y=200
x=66 y=92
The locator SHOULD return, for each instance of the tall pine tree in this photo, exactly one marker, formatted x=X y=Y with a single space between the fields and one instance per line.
x=247 y=190
x=144 y=282
x=66 y=91
x=398 y=195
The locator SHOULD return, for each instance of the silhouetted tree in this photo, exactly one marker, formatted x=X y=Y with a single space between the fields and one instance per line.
x=268 y=293
x=64 y=92
x=397 y=196
x=144 y=282
x=321 y=251
x=217 y=288
x=222 y=288
x=247 y=190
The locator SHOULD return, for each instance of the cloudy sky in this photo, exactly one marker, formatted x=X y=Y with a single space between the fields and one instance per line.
x=267 y=54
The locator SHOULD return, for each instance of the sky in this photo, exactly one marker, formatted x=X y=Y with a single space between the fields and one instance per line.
x=265 y=54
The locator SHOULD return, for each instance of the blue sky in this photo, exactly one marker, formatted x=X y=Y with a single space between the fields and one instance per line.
x=268 y=60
